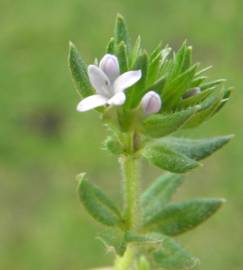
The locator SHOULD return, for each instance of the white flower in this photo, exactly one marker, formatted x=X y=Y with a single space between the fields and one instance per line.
x=108 y=83
x=151 y=103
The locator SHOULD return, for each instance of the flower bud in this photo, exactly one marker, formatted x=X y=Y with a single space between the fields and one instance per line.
x=151 y=103
x=109 y=64
x=192 y=92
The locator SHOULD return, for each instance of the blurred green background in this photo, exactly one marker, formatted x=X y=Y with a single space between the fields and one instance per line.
x=44 y=142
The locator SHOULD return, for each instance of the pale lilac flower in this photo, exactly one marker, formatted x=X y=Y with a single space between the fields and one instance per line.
x=151 y=103
x=108 y=83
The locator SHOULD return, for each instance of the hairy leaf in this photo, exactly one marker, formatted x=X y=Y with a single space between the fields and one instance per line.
x=167 y=159
x=178 y=218
x=120 y=32
x=98 y=204
x=196 y=149
x=172 y=256
x=78 y=70
x=158 y=125
x=159 y=193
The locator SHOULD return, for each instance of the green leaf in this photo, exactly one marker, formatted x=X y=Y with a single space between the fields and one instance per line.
x=177 y=88
x=78 y=70
x=159 y=193
x=158 y=125
x=177 y=218
x=153 y=69
x=97 y=203
x=156 y=52
x=158 y=85
x=198 y=98
x=164 y=251
x=208 y=108
x=136 y=51
x=172 y=256
x=111 y=46
x=121 y=33
x=135 y=94
x=167 y=159
x=122 y=56
x=114 y=239
x=212 y=84
x=196 y=149
x=113 y=145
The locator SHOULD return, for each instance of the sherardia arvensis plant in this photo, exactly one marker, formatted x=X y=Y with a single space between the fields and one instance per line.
x=143 y=100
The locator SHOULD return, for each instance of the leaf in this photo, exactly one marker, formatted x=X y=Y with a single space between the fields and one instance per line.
x=135 y=94
x=113 y=145
x=165 y=251
x=211 y=84
x=177 y=88
x=196 y=99
x=159 y=193
x=114 y=239
x=158 y=125
x=153 y=69
x=97 y=203
x=158 y=85
x=178 y=218
x=121 y=32
x=78 y=70
x=172 y=256
x=136 y=51
x=111 y=46
x=122 y=56
x=208 y=108
x=196 y=149
x=167 y=159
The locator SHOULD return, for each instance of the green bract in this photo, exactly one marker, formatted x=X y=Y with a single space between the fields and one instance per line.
x=178 y=91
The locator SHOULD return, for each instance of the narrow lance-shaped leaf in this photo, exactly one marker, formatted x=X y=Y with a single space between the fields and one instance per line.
x=177 y=88
x=158 y=85
x=153 y=69
x=114 y=238
x=172 y=256
x=167 y=159
x=196 y=99
x=159 y=193
x=212 y=83
x=178 y=218
x=196 y=149
x=159 y=125
x=135 y=94
x=121 y=32
x=135 y=52
x=164 y=251
x=122 y=56
x=98 y=204
x=111 y=46
x=78 y=69
x=208 y=108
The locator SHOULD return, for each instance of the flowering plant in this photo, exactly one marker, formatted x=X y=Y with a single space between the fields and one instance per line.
x=143 y=98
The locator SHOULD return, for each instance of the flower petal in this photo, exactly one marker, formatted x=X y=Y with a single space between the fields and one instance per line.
x=118 y=99
x=91 y=102
x=126 y=80
x=110 y=65
x=99 y=80
x=151 y=103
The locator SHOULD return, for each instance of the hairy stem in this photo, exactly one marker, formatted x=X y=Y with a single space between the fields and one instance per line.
x=130 y=170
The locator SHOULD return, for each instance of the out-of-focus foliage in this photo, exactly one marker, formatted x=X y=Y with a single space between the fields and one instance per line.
x=44 y=142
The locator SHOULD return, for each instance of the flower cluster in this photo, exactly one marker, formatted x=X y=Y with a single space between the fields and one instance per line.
x=144 y=99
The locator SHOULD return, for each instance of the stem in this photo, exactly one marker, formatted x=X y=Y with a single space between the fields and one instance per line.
x=130 y=171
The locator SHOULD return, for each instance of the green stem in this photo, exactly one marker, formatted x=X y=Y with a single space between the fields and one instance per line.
x=130 y=171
